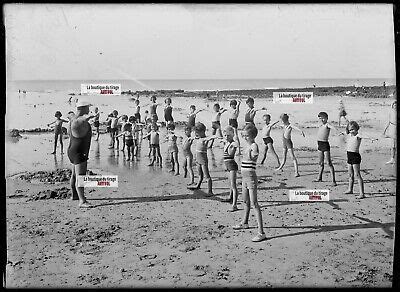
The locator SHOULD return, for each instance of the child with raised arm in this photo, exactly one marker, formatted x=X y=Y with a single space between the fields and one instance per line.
x=154 y=145
x=342 y=112
x=233 y=116
x=231 y=165
x=249 y=182
x=96 y=122
x=251 y=111
x=288 y=144
x=192 y=116
x=266 y=136
x=172 y=148
x=58 y=131
x=391 y=125
x=201 y=157
x=354 y=157
x=168 y=111
x=187 y=153
x=324 y=147
x=127 y=133
x=114 y=129
x=216 y=122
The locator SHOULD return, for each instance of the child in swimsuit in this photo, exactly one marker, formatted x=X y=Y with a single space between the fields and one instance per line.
x=268 y=142
x=137 y=110
x=251 y=111
x=153 y=109
x=173 y=148
x=354 y=157
x=192 y=116
x=201 y=157
x=96 y=122
x=136 y=130
x=114 y=129
x=168 y=111
x=216 y=122
x=124 y=120
x=249 y=182
x=127 y=133
x=342 y=112
x=288 y=144
x=154 y=145
x=231 y=165
x=58 y=131
x=324 y=147
x=391 y=125
x=187 y=153
x=233 y=122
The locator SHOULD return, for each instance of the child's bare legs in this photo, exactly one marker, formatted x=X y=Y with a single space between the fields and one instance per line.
x=171 y=155
x=356 y=168
x=208 y=177
x=112 y=135
x=189 y=167
x=176 y=162
x=72 y=183
x=246 y=201
x=152 y=154
x=271 y=148
x=129 y=150
x=123 y=144
x=61 y=143
x=55 y=143
x=98 y=134
x=233 y=187
x=159 y=158
x=211 y=143
x=351 y=179
x=117 y=139
x=236 y=137
x=284 y=154
x=265 y=149
x=201 y=175
x=321 y=165
x=254 y=202
x=332 y=169
x=393 y=152
x=296 y=167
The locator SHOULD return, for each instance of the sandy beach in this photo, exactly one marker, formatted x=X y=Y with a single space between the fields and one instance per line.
x=152 y=231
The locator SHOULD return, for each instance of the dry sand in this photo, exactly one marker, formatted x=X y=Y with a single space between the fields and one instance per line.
x=153 y=232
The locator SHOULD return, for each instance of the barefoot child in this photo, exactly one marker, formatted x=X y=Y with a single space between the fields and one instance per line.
x=154 y=145
x=201 y=156
x=108 y=123
x=249 y=182
x=127 y=132
x=342 y=112
x=391 y=125
x=136 y=131
x=288 y=144
x=231 y=165
x=233 y=116
x=168 y=111
x=96 y=122
x=173 y=148
x=268 y=142
x=114 y=129
x=187 y=153
x=354 y=157
x=137 y=110
x=323 y=146
x=58 y=131
x=192 y=116
x=153 y=108
x=124 y=119
x=216 y=122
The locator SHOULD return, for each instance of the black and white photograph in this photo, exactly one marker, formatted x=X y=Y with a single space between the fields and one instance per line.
x=200 y=145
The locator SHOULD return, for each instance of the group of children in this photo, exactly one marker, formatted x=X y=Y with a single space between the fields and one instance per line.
x=132 y=131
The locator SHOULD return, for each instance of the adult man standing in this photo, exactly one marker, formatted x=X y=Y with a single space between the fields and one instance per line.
x=78 y=150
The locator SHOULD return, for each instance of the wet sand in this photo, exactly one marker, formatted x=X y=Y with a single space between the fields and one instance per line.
x=152 y=231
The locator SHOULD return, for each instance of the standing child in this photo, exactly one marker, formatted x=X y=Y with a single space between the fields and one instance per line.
x=266 y=136
x=96 y=122
x=154 y=145
x=153 y=108
x=147 y=117
x=251 y=111
x=201 y=157
x=233 y=122
x=137 y=110
x=168 y=111
x=192 y=116
x=216 y=122
x=231 y=165
x=288 y=144
x=108 y=122
x=127 y=133
x=354 y=157
x=173 y=148
x=58 y=131
x=136 y=130
x=124 y=119
x=391 y=125
x=342 y=112
x=249 y=182
x=187 y=153
x=324 y=147
x=114 y=129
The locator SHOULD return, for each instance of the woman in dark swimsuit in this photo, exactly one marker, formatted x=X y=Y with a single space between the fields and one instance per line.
x=78 y=150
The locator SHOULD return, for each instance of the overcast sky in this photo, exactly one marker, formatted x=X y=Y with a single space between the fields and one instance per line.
x=199 y=41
